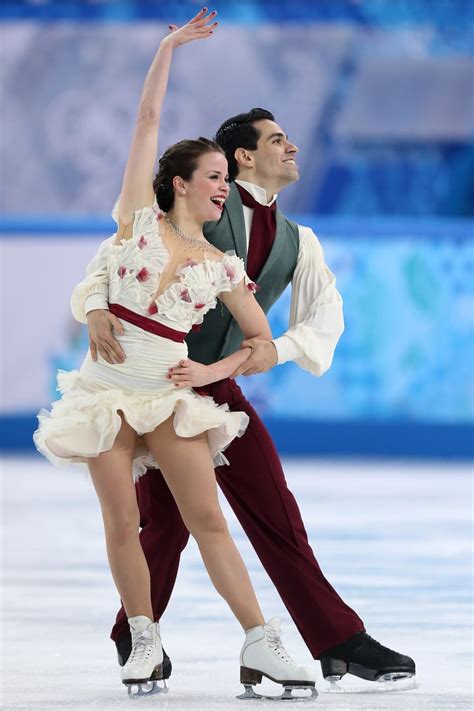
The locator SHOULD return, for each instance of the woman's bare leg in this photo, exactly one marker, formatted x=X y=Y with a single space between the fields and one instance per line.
x=187 y=468
x=111 y=474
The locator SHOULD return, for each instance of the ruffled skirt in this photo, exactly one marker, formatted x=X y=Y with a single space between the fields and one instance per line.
x=86 y=420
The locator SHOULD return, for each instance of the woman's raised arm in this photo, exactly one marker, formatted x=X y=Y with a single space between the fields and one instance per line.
x=137 y=186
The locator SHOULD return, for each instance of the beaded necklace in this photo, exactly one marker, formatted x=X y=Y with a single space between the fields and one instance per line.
x=191 y=241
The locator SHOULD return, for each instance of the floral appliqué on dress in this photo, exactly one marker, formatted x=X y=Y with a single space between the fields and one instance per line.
x=136 y=265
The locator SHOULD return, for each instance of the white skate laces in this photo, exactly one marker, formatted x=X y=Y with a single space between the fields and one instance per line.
x=143 y=647
x=275 y=644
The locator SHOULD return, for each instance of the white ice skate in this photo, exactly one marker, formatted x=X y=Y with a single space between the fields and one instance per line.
x=264 y=655
x=146 y=658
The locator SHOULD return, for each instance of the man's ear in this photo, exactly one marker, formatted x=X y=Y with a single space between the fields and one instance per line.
x=244 y=158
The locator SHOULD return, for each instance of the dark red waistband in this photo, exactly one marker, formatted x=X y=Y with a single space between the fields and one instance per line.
x=147 y=324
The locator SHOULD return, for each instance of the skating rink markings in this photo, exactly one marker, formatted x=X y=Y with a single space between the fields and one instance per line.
x=395 y=539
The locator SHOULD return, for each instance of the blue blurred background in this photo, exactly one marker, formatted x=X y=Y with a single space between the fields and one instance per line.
x=378 y=95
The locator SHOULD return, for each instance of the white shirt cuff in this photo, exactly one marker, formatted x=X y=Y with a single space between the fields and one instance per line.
x=95 y=301
x=287 y=349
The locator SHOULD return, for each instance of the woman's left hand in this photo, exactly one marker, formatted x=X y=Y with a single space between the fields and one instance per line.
x=189 y=374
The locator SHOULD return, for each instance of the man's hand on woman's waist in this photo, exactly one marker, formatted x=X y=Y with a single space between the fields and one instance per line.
x=101 y=325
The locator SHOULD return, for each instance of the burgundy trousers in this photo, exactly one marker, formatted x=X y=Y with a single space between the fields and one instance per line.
x=255 y=486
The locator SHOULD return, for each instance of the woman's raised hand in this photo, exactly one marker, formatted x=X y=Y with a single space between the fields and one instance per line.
x=200 y=27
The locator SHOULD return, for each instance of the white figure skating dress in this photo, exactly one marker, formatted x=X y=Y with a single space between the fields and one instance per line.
x=85 y=421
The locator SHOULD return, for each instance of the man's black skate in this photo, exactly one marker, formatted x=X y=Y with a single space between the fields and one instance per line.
x=366 y=658
x=124 y=647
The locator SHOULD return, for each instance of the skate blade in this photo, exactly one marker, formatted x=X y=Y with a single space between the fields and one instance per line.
x=397 y=682
x=146 y=688
x=287 y=694
x=334 y=687
x=385 y=684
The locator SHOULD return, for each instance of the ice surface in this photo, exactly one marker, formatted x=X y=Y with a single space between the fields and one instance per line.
x=394 y=539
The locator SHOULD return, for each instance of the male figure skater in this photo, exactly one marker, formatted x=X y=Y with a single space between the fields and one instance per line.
x=262 y=161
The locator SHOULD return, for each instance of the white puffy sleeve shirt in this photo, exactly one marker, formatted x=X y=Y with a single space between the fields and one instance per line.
x=316 y=319
x=92 y=293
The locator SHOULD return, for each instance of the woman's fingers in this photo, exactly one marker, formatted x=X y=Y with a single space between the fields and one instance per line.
x=202 y=17
x=177 y=369
x=179 y=377
x=185 y=363
x=203 y=31
x=206 y=20
x=200 y=32
x=199 y=16
x=199 y=20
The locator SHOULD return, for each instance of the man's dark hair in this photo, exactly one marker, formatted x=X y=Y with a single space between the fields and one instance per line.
x=240 y=132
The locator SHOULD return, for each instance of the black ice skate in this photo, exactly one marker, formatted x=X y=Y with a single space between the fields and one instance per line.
x=366 y=658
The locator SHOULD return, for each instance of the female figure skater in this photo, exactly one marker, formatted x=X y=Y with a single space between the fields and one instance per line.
x=161 y=278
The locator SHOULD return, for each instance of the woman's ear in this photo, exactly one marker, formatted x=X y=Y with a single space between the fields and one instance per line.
x=179 y=186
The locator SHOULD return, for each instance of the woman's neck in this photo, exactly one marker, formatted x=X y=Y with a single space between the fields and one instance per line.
x=190 y=226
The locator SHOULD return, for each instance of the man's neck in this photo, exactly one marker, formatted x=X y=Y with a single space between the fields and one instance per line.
x=260 y=192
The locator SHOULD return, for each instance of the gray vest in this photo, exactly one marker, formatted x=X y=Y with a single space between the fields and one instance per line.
x=220 y=335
